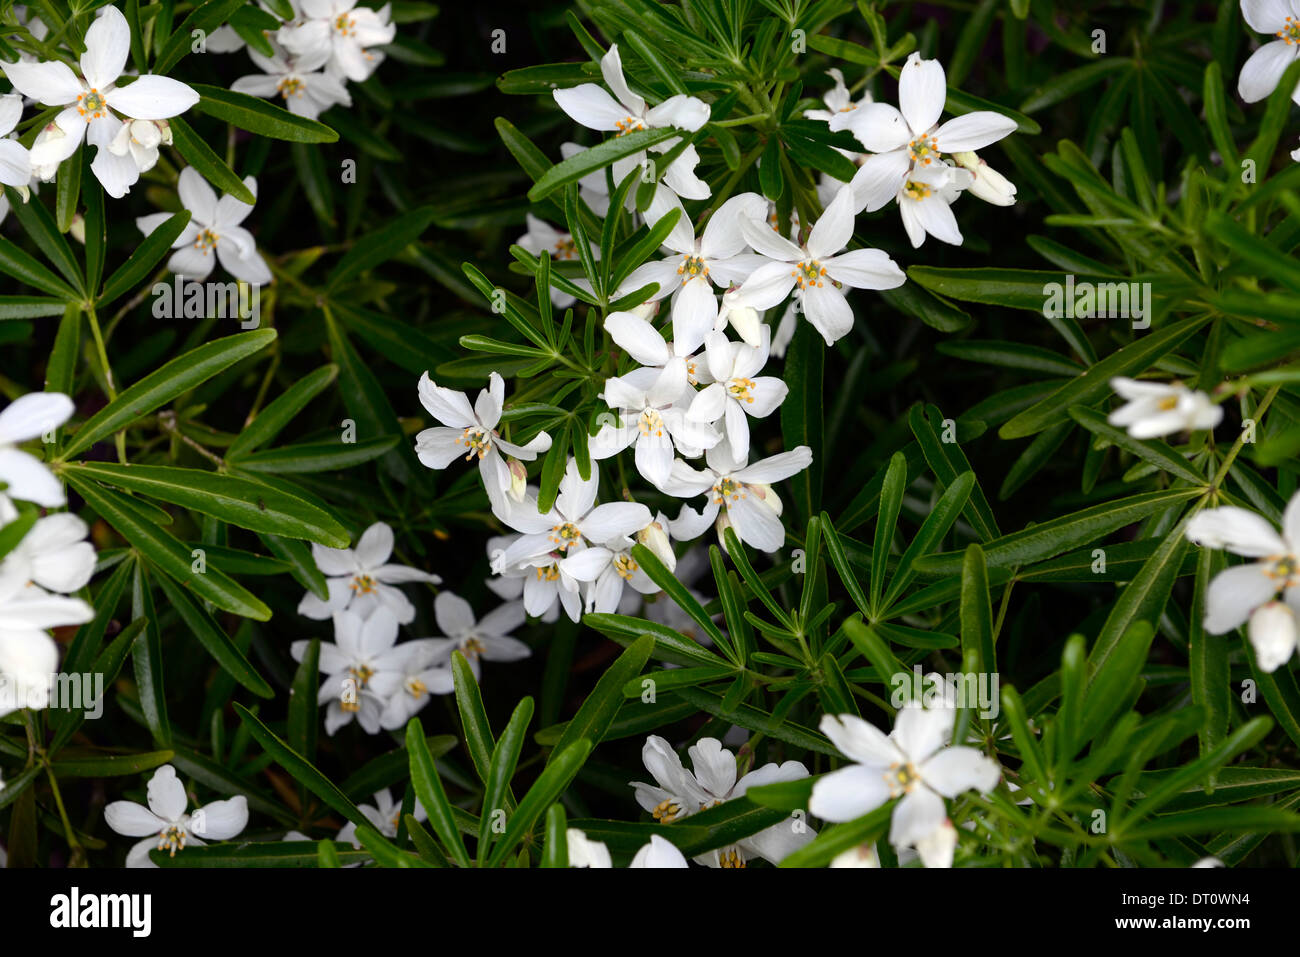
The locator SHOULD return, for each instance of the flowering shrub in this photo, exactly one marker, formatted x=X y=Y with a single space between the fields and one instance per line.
x=894 y=413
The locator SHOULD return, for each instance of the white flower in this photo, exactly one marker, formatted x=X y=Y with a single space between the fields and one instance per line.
x=1246 y=592
x=660 y=852
x=53 y=555
x=584 y=852
x=925 y=203
x=27 y=417
x=423 y=675
x=650 y=415
x=385 y=815
x=1261 y=73
x=838 y=99
x=485 y=639
x=814 y=271
x=913 y=763
x=678 y=793
x=472 y=432
x=541 y=236
x=90 y=102
x=140 y=140
x=905 y=142
x=575 y=521
x=593 y=107
x=307 y=89
x=362 y=579
x=1273 y=634
x=605 y=593
x=1153 y=409
x=936 y=849
x=738 y=391
x=634 y=334
x=29 y=657
x=15 y=161
x=864 y=855
x=716 y=258
x=741 y=493
x=364 y=666
x=213 y=225
x=165 y=821
x=344 y=31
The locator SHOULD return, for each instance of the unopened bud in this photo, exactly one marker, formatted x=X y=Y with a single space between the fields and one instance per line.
x=656 y=539
x=518 y=479
x=988 y=184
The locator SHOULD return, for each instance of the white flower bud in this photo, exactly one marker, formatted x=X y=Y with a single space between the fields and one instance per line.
x=988 y=184
x=78 y=229
x=518 y=479
x=1273 y=634
x=864 y=855
x=656 y=539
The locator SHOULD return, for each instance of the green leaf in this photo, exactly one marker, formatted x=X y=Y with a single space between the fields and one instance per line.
x=177 y=377
x=39 y=225
x=598 y=157
x=213 y=639
x=280 y=412
x=670 y=646
x=802 y=414
x=977 y=611
x=246 y=504
x=147 y=255
x=1153 y=451
x=83 y=765
x=1058 y=535
x=505 y=757
x=299 y=767
x=550 y=784
x=428 y=788
x=206 y=17
x=195 y=151
x=315 y=458
x=474 y=720
x=257 y=116
x=170 y=555
x=600 y=708
x=380 y=246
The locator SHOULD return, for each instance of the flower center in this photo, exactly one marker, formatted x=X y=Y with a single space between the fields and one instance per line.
x=172 y=839
x=694 y=267
x=629 y=124
x=362 y=585
x=472 y=648
x=290 y=86
x=91 y=105
x=345 y=25
x=1290 y=33
x=1168 y=403
x=563 y=536
x=728 y=490
x=476 y=440
x=917 y=191
x=901 y=778
x=362 y=674
x=741 y=389
x=651 y=423
x=548 y=573
x=625 y=566
x=809 y=273
x=416 y=688
x=730 y=858
x=566 y=248
x=665 y=811
x=923 y=150
x=1283 y=567
x=205 y=240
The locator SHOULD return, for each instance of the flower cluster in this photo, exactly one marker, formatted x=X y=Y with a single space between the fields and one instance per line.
x=40 y=573
x=314 y=54
x=369 y=675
